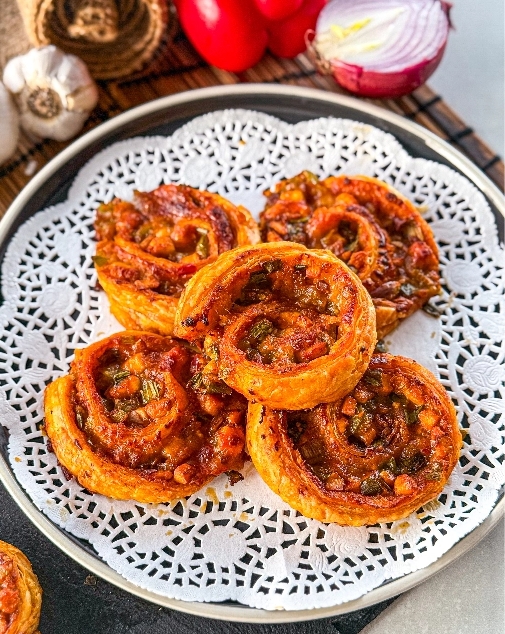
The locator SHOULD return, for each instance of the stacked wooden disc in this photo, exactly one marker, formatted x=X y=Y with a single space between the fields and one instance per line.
x=114 y=37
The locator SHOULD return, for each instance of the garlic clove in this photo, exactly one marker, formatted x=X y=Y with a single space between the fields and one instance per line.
x=82 y=99
x=61 y=128
x=13 y=76
x=72 y=73
x=41 y=64
x=9 y=125
x=49 y=86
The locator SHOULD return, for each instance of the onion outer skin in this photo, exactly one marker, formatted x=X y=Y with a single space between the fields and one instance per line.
x=369 y=83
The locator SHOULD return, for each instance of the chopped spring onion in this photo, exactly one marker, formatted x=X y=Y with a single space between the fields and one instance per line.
x=202 y=246
x=99 y=260
x=372 y=486
x=259 y=331
x=149 y=391
x=373 y=377
x=271 y=266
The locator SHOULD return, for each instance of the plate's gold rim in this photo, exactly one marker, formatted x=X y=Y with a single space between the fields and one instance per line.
x=218 y=610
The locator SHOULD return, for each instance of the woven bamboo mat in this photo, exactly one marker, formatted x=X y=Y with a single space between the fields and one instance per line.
x=182 y=69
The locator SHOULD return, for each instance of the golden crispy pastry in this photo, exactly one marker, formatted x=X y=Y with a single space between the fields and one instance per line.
x=376 y=455
x=20 y=592
x=150 y=248
x=288 y=327
x=368 y=224
x=144 y=417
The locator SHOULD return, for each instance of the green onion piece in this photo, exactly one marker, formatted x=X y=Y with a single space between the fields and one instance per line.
x=259 y=331
x=80 y=416
x=412 y=464
x=371 y=486
x=218 y=387
x=312 y=449
x=120 y=375
x=373 y=377
x=407 y=289
x=413 y=415
x=99 y=260
x=380 y=346
x=149 y=391
x=432 y=310
x=143 y=232
x=201 y=383
x=196 y=381
x=354 y=425
x=352 y=245
x=258 y=279
x=390 y=465
x=271 y=266
x=202 y=246
x=128 y=404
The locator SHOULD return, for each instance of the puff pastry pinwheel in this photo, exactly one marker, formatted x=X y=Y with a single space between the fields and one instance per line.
x=148 y=249
x=368 y=224
x=20 y=592
x=375 y=455
x=288 y=327
x=144 y=417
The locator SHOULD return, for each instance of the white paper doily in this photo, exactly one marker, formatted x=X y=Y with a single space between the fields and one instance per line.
x=243 y=542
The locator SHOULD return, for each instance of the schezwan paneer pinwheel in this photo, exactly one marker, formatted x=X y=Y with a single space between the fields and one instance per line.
x=287 y=327
x=20 y=592
x=148 y=249
x=144 y=417
x=369 y=225
x=375 y=455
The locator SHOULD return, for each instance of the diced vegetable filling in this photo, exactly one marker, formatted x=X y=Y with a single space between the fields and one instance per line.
x=392 y=437
x=299 y=322
x=135 y=382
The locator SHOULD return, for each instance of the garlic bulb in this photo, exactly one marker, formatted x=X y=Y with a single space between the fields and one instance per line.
x=54 y=92
x=9 y=125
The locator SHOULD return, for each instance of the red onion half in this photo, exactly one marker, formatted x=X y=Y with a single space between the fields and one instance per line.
x=381 y=48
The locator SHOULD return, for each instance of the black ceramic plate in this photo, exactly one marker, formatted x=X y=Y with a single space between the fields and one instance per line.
x=163 y=117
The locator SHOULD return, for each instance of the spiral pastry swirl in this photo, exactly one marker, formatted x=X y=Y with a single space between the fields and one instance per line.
x=375 y=455
x=144 y=417
x=150 y=248
x=370 y=226
x=20 y=592
x=287 y=327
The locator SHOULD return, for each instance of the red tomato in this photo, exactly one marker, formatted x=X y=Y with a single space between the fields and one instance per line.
x=228 y=34
x=278 y=9
x=287 y=37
